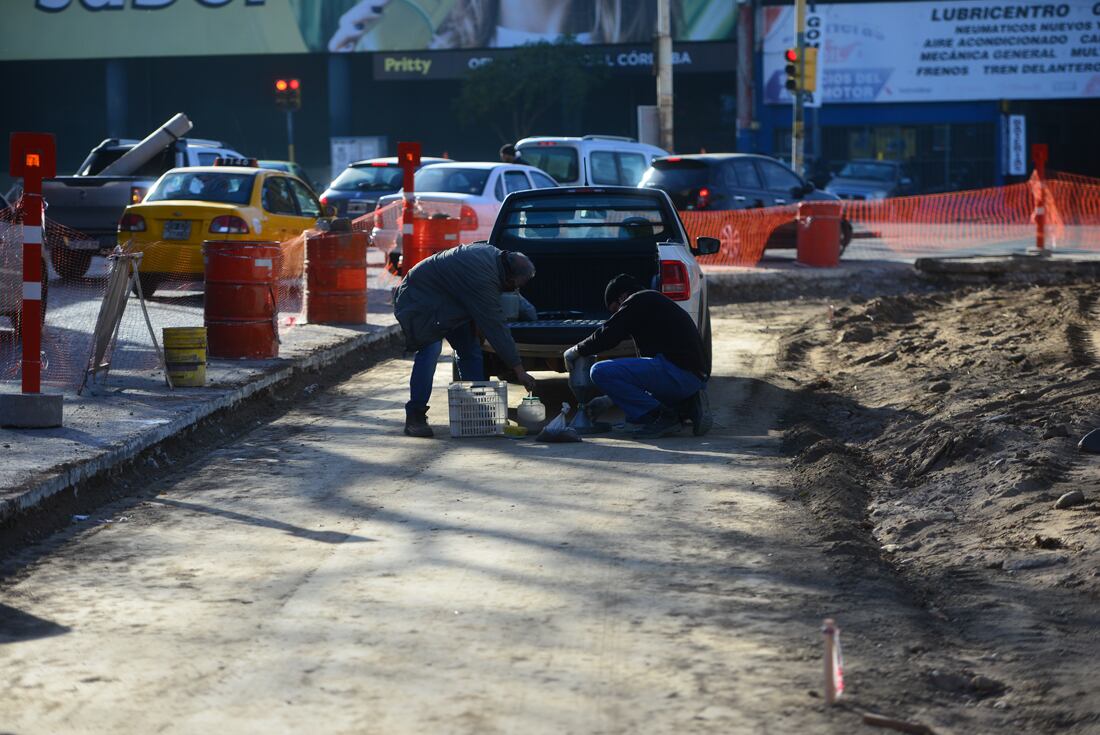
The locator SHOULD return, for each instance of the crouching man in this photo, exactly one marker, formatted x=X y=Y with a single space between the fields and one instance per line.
x=668 y=381
x=444 y=297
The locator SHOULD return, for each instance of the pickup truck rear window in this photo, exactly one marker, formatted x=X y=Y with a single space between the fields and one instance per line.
x=587 y=218
x=205 y=186
x=154 y=167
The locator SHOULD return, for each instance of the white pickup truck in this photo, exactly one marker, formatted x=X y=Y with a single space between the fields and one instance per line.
x=91 y=203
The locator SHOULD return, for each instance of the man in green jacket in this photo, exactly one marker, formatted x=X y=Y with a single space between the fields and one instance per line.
x=443 y=297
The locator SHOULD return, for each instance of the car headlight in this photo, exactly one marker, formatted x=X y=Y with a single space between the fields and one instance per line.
x=880 y=194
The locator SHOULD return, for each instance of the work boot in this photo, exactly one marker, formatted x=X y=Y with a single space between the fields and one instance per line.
x=697 y=410
x=416 y=422
x=659 y=422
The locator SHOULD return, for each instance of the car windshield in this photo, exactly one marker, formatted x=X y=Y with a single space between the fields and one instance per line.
x=453 y=180
x=587 y=217
x=557 y=160
x=369 y=178
x=869 y=170
x=204 y=186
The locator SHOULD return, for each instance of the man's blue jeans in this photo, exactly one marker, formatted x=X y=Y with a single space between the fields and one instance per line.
x=638 y=385
x=464 y=341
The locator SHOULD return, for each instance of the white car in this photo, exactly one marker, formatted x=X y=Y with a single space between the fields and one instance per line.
x=471 y=191
x=591 y=160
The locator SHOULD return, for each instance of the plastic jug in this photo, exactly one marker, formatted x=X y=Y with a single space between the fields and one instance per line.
x=531 y=413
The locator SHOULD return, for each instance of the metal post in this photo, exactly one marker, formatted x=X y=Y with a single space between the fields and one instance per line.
x=290 y=135
x=664 y=73
x=798 y=125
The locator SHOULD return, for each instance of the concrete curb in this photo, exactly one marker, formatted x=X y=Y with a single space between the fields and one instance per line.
x=67 y=477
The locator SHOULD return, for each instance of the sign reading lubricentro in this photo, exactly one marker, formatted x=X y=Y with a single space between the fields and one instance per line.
x=941 y=51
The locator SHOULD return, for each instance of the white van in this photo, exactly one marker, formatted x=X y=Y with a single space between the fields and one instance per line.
x=591 y=160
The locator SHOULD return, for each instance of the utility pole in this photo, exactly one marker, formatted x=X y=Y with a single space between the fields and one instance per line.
x=798 y=128
x=664 y=73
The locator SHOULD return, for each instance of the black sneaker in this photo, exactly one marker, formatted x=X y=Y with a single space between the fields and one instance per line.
x=665 y=423
x=697 y=410
x=416 y=423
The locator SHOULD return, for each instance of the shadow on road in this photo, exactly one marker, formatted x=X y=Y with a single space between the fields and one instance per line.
x=17 y=626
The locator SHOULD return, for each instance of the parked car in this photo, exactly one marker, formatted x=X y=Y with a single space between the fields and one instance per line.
x=592 y=160
x=723 y=181
x=472 y=191
x=359 y=186
x=11 y=270
x=189 y=205
x=91 y=203
x=291 y=168
x=581 y=238
x=871 y=179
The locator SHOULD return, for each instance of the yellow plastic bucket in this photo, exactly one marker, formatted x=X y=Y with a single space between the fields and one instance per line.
x=185 y=355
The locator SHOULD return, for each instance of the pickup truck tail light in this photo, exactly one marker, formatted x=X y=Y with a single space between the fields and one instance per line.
x=229 y=224
x=674 y=280
x=378 y=217
x=137 y=193
x=467 y=218
x=131 y=223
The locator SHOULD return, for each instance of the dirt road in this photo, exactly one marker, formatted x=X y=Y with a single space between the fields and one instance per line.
x=322 y=573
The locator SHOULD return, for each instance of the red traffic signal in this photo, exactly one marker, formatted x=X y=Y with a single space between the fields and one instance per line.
x=288 y=94
x=794 y=74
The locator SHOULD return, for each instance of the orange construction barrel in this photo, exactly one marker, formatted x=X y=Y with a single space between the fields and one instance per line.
x=240 y=310
x=430 y=236
x=819 y=234
x=336 y=278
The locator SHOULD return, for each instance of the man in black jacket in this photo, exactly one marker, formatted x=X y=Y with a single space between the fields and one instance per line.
x=669 y=378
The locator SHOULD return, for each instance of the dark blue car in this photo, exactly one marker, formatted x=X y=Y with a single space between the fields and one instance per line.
x=357 y=189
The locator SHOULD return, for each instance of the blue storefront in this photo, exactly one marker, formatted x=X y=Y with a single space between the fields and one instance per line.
x=1043 y=70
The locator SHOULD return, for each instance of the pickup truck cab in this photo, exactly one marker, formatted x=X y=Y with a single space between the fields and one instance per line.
x=92 y=204
x=581 y=238
x=591 y=160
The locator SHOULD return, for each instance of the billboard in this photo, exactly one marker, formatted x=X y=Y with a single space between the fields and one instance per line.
x=945 y=51
x=82 y=29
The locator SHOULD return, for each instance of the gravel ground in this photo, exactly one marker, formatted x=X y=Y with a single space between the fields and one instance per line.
x=938 y=433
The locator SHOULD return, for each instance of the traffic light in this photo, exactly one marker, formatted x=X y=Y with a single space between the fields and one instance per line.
x=809 y=69
x=288 y=94
x=793 y=77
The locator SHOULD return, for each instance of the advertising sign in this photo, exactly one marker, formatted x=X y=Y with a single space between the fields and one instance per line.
x=814 y=36
x=81 y=29
x=943 y=51
x=687 y=57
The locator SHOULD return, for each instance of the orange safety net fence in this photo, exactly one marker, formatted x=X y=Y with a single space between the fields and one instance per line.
x=995 y=219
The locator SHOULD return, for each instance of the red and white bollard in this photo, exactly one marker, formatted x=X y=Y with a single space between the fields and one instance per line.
x=1039 y=156
x=408 y=158
x=33 y=158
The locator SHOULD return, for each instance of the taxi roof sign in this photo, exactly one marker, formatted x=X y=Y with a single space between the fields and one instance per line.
x=227 y=161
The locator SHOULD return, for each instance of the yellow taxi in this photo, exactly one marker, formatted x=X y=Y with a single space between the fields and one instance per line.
x=187 y=206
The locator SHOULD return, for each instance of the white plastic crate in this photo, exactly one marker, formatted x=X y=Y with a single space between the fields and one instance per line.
x=478 y=408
